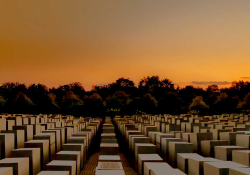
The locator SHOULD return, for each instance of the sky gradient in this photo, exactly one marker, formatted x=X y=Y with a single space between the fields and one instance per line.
x=56 y=42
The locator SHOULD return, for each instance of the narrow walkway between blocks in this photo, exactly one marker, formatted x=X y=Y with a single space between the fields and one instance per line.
x=91 y=164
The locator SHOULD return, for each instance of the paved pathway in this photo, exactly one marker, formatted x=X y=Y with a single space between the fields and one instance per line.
x=91 y=164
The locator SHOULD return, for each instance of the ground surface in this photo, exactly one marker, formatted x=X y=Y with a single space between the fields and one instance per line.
x=91 y=164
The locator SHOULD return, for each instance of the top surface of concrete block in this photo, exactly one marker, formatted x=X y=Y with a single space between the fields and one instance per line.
x=53 y=173
x=37 y=141
x=149 y=157
x=232 y=146
x=62 y=163
x=109 y=144
x=144 y=144
x=109 y=157
x=241 y=170
x=189 y=155
x=225 y=164
x=13 y=160
x=243 y=151
x=69 y=152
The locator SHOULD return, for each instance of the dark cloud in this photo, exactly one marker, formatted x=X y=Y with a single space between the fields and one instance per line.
x=211 y=82
x=103 y=84
x=248 y=78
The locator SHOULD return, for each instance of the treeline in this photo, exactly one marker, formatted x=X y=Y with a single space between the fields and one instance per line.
x=123 y=97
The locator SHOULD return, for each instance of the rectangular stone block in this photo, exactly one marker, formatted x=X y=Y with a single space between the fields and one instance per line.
x=207 y=146
x=139 y=140
x=109 y=149
x=20 y=165
x=182 y=160
x=241 y=157
x=243 y=140
x=108 y=140
x=239 y=171
x=76 y=147
x=162 y=166
x=152 y=136
x=108 y=136
x=195 y=165
x=34 y=158
x=70 y=155
x=7 y=144
x=68 y=133
x=148 y=129
x=216 y=133
x=54 y=173
x=142 y=158
x=6 y=171
x=171 y=171
x=196 y=138
x=230 y=137
x=57 y=138
x=131 y=133
x=62 y=131
x=87 y=140
x=220 y=168
x=165 y=146
x=178 y=147
x=36 y=129
x=62 y=165
x=158 y=140
x=225 y=152
x=109 y=158
x=28 y=131
x=51 y=138
x=143 y=148
x=108 y=130
x=44 y=150
x=130 y=141
x=186 y=137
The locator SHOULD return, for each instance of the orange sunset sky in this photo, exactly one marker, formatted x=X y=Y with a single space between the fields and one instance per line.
x=56 y=42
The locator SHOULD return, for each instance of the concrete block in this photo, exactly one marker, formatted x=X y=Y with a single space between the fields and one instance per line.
x=20 y=165
x=62 y=165
x=44 y=150
x=70 y=155
x=178 y=147
x=142 y=158
x=225 y=152
x=34 y=156
x=207 y=146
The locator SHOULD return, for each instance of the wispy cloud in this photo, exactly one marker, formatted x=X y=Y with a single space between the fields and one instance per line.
x=211 y=82
x=103 y=84
x=245 y=78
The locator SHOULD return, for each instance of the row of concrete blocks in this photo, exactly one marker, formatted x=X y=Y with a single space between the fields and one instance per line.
x=220 y=137
x=144 y=153
x=37 y=153
x=109 y=160
x=198 y=139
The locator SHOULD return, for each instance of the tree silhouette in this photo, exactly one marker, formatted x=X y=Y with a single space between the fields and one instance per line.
x=2 y=103
x=225 y=104
x=71 y=103
x=198 y=105
x=23 y=104
x=170 y=103
x=93 y=105
x=149 y=104
x=245 y=105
